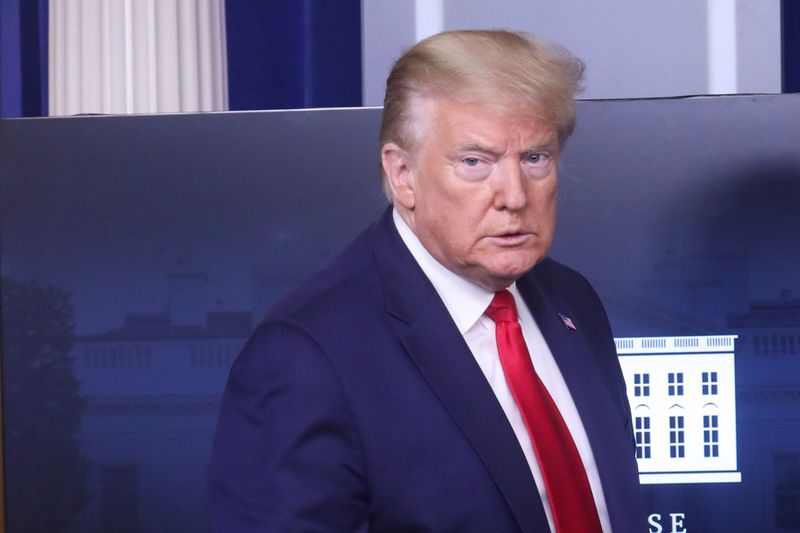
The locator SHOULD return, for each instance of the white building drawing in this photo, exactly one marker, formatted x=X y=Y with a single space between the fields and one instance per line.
x=683 y=402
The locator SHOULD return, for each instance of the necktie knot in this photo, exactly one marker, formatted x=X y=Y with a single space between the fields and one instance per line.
x=502 y=308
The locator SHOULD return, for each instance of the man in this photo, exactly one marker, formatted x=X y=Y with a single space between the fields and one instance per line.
x=442 y=374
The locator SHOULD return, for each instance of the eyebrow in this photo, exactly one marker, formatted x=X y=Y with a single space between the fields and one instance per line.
x=549 y=145
x=478 y=147
x=546 y=145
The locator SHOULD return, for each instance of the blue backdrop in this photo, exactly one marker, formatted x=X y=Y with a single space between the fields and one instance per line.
x=137 y=253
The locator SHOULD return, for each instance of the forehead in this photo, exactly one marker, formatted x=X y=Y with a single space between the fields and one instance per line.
x=459 y=121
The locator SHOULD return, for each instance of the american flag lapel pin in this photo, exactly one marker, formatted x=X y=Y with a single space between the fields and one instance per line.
x=568 y=323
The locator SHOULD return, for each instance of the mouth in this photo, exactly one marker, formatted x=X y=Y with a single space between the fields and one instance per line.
x=511 y=238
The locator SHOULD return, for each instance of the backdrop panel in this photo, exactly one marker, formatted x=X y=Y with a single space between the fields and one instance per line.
x=139 y=252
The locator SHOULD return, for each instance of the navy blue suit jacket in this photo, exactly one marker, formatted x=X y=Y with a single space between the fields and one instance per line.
x=357 y=406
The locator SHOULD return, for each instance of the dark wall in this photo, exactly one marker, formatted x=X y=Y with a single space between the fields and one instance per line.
x=23 y=58
x=791 y=46
x=293 y=54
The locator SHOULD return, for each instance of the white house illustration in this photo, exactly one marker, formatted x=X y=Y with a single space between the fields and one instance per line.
x=683 y=403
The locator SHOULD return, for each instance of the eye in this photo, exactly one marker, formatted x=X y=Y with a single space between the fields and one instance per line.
x=537 y=158
x=472 y=167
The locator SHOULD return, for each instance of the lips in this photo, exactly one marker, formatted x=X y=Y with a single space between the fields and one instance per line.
x=511 y=238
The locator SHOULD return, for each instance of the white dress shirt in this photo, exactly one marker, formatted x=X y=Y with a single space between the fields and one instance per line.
x=467 y=302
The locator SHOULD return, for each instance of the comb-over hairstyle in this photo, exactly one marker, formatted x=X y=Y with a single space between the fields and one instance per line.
x=505 y=70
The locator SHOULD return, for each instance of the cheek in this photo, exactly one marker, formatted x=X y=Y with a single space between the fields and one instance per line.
x=453 y=211
x=550 y=211
x=545 y=199
x=453 y=236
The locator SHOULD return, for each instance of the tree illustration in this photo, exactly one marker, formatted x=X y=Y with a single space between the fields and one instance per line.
x=45 y=474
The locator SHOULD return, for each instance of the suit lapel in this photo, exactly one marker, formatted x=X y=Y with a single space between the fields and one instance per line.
x=570 y=351
x=593 y=399
x=443 y=358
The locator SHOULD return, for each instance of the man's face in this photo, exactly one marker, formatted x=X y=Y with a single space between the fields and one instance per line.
x=482 y=190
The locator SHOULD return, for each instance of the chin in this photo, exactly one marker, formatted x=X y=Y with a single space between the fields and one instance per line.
x=502 y=269
x=517 y=267
x=500 y=279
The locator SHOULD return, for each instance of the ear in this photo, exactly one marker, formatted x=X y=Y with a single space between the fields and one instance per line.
x=398 y=165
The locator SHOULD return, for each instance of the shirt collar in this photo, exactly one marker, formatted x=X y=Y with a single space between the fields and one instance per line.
x=465 y=301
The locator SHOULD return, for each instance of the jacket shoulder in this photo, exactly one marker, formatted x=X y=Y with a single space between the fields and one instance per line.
x=556 y=278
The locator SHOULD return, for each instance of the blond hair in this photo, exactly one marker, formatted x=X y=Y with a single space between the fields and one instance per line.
x=501 y=69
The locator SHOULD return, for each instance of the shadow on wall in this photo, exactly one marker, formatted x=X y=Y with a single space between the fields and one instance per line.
x=760 y=213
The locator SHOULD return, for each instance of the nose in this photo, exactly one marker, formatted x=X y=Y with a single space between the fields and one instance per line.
x=510 y=192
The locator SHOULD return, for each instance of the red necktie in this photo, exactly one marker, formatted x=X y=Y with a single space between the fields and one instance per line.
x=565 y=478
